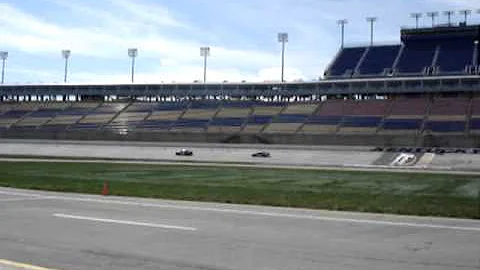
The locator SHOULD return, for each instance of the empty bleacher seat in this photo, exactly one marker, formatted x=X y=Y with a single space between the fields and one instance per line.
x=475 y=125
x=402 y=124
x=455 y=55
x=347 y=59
x=291 y=118
x=190 y=125
x=226 y=125
x=408 y=108
x=448 y=107
x=445 y=126
x=416 y=57
x=361 y=121
x=378 y=59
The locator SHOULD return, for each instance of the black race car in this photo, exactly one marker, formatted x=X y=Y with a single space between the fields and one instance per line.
x=184 y=152
x=263 y=154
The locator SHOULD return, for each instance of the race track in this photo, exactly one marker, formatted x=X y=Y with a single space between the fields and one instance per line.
x=53 y=231
x=281 y=155
x=65 y=231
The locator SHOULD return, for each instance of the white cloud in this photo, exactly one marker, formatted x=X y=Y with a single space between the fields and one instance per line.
x=110 y=36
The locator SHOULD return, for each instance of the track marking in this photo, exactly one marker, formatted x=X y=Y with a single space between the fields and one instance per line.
x=125 y=222
x=22 y=199
x=22 y=265
x=263 y=213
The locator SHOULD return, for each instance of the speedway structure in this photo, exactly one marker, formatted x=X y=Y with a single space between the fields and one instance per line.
x=421 y=92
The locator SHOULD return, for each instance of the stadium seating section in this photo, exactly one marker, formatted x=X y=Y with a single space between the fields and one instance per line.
x=447 y=55
x=334 y=116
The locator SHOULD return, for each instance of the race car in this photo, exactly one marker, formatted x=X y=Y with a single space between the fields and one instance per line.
x=184 y=152
x=263 y=154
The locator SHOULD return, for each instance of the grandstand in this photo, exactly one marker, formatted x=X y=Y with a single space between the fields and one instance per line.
x=421 y=92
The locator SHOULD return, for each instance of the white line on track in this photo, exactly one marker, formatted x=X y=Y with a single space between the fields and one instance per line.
x=23 y=199
x=475 y=227
x=126 y=222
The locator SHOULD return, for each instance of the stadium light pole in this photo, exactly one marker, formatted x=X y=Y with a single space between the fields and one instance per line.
x=432 y=15
x=475 y=59
x=66 y=55
x=342 y=24
x=283 y=38
x=371 y=20
x=416 y=16
x=205 y=53
x=449 y=14
x=133 y=53
x=465 y=13
x=4 y=57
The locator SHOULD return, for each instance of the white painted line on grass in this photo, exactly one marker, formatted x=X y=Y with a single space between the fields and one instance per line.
x=126 y=222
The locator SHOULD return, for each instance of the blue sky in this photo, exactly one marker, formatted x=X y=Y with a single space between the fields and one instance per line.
x=168 y=34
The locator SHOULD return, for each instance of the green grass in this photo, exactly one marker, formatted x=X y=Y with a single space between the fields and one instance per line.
x=398 y=193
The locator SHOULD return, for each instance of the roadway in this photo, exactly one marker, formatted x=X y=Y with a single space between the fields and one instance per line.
x=281 y=155
x=70 y=231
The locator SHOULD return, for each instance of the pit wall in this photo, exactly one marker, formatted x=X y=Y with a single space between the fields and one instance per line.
x=463 y=141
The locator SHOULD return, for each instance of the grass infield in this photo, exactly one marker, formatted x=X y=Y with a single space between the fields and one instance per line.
x=379 y=192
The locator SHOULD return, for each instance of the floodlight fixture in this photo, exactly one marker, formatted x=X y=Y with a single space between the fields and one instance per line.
x=416 y=16
x=432 y=15
x=465 y=13
x=282 y=37
x=449 y=14
x=66 y=56
x=132 y=53
x=4 y=57
x=205 y=53
x=475 y=55
x=371 y=20
x=342 y=24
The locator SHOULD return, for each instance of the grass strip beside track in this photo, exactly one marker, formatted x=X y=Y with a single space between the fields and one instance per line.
x=380 y=192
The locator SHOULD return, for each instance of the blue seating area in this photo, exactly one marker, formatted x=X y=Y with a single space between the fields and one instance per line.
x=231 y=121
x=378 y=59
x=361 y=121
x=445 y=126
x=291 y=118
x=238 y=104
x=260 y=119
x=191 y=123
x=416 y=57
x=170 y=106
x=346 y=60
x=14 y=114
x=475 y=124
x=455 y=55
x=155 y=124
x=402 y=124
x=45 y=113
x=325 y=120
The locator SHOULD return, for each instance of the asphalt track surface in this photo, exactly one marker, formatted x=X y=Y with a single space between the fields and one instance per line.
x=326 y=157
x=69 y=231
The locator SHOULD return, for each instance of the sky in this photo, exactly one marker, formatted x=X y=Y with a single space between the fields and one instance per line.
x=242 y=35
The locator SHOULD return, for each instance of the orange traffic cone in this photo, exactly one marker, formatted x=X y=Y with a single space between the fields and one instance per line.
x=105 y=190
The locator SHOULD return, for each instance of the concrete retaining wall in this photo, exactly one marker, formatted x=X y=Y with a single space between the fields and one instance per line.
x=298 y=139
